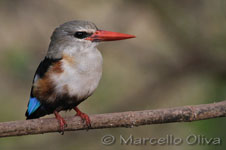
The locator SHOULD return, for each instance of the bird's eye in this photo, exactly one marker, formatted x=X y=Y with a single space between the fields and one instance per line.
x=82 y=34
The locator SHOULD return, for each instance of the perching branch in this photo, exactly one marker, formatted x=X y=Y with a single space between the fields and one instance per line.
x=119 y=119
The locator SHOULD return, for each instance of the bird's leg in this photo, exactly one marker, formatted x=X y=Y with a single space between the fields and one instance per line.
x=61 y=121
x=83 y=116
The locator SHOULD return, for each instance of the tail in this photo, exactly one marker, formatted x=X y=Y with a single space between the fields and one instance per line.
x=35 y=109
x=37 y=114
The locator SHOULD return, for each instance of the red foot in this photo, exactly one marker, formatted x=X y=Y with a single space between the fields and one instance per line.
x=83 y=116
x=61 y=121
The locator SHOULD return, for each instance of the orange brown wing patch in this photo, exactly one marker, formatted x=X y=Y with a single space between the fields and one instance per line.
x=44 y=87
x=69 y=59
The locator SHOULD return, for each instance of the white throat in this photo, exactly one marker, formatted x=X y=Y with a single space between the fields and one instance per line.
x=82 y=76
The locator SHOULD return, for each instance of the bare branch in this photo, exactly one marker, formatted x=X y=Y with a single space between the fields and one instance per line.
x=114 y=120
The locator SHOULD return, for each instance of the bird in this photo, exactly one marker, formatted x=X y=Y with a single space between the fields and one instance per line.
x=70 y=72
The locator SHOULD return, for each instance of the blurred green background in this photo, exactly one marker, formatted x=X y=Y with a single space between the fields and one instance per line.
x=178 y=58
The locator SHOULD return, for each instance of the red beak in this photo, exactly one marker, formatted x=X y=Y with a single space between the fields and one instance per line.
x=101 y=35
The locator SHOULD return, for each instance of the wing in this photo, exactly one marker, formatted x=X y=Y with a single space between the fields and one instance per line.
x=35 y=108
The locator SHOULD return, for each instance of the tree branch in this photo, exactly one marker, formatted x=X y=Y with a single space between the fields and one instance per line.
x=114 y=120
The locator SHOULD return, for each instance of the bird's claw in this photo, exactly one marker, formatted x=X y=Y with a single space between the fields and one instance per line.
x=63 y=125
x=62 y=122
x=84 y=117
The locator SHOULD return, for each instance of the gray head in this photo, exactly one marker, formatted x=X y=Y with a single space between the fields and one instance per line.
x=77 y=36
x=70 y=35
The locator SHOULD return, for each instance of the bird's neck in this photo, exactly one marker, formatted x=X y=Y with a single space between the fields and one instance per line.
x=57 y=50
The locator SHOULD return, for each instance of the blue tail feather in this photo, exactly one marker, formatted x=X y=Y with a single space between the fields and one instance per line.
x=33 y=105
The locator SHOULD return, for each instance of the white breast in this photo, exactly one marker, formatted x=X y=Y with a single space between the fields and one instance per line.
x=82 y=77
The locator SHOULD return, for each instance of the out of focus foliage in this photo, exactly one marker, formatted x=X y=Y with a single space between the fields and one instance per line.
x=178 y=58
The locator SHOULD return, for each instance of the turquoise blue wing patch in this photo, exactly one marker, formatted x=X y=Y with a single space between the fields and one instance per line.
x=33 y=105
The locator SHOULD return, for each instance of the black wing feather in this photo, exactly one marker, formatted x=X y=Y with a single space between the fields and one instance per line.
x=42 y=69
x=44 y=66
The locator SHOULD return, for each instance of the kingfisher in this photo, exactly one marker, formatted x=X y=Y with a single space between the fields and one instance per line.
x=70 y=71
